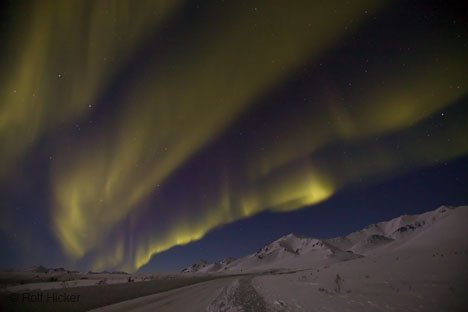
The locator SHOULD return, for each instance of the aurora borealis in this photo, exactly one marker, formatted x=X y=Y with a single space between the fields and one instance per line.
x=131 y=127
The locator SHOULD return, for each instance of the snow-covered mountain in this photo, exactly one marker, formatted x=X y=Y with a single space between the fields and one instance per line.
x=373 y=237
x=298 y=252
x=217 y=266
x=195 y=267
x=205 y=267
x=290 y=251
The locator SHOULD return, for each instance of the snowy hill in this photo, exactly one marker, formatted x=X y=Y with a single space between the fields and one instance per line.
x=205 y=267
x=298 y=252
x=195 y=267
x=290 y=251
x=379 y=234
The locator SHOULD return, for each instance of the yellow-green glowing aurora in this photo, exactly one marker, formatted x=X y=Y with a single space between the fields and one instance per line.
x=177 y=106
x=165 y=90
x=60 y=59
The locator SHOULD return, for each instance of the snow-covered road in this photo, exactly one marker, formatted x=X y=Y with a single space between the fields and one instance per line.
x=239 y=296
x=230 y=294
x=190 y=298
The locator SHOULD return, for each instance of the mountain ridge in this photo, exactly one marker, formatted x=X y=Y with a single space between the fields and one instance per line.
x=298 y=251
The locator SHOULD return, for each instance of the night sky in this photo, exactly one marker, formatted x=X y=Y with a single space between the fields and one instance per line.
x=151 y=134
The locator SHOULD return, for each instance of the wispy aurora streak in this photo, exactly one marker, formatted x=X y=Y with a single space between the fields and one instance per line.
x=60 y=58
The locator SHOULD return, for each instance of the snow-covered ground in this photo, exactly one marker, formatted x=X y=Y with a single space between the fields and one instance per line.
x=31 y=281
x=410 y=263
x=196 y=297
x=425 y=268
